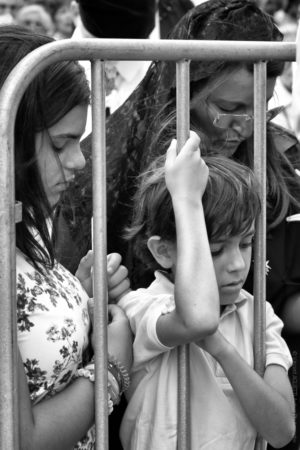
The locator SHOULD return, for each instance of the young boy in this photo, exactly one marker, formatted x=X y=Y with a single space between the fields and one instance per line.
x=194 y=225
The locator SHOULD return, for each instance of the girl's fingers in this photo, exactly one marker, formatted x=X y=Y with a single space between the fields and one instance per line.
x=117 y=292
x=117 y=277
x=116 y=313
x=85 y=265
x=113 y=262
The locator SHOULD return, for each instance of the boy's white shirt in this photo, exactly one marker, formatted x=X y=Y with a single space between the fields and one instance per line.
x=218 y=421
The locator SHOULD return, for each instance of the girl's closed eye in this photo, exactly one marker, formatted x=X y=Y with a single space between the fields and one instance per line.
x=57 y=149
x=57 y=146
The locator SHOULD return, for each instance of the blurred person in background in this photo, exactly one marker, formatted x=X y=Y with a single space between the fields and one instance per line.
x=64 y=23
x=272 y=6
x=35 y=18
x=8 y=10
x=283 y=87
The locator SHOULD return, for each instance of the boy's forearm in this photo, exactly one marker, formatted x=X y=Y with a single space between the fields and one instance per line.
x=196 y=291
x=268 y=410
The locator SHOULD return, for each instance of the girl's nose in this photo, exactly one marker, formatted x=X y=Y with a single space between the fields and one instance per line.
x=74 y=158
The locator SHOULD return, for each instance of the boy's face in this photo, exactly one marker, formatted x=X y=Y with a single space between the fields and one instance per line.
x=232 y=259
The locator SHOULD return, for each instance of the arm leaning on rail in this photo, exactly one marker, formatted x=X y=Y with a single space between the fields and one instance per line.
x=186 y=178
x=268 y=401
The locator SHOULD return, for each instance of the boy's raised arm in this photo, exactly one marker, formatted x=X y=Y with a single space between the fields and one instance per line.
x=196 y=293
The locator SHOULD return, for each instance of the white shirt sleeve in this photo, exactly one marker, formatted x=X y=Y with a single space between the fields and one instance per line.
x=143 y=310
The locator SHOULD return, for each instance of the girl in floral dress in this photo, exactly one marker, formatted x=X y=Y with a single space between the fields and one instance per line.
x=55 y=374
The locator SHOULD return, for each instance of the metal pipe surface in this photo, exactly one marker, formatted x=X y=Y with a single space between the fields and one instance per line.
x=260 y=168
x=182 y=129
x=99 y=247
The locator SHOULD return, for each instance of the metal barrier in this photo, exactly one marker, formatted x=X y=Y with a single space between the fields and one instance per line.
x=96 y=51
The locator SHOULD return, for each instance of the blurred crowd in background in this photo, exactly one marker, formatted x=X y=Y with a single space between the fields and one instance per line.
x=55 y=18
x=58 y=18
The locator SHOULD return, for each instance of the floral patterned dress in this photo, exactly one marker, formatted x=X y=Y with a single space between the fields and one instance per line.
x=53 y=328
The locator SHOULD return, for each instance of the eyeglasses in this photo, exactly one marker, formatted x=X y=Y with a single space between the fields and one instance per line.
x=222 y=120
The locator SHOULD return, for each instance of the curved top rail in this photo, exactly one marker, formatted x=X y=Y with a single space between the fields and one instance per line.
x=129 y=49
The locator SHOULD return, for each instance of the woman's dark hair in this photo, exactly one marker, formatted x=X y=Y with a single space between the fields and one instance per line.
x=223 y=20
x=230 y=202
x=50 y=96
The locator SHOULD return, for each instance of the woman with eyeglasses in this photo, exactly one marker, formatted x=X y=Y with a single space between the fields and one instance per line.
x=222 y=114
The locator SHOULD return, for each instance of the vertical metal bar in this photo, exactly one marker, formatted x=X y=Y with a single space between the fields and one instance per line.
x=99 y=245
x=296 y=86
x=260 y=168
x=183 y=127
x=8 y=341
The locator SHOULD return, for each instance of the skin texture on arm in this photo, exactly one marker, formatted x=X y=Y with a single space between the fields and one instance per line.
x=268 y=401
x=60 y=422
x=57 y=423
x=195 y=315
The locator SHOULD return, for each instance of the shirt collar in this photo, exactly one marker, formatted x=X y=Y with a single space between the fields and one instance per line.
x=242 y=298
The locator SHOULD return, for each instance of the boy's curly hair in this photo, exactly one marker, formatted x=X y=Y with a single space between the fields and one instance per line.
x=231 y=202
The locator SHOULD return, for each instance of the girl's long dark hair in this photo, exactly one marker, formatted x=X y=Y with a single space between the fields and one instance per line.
x=50 y=96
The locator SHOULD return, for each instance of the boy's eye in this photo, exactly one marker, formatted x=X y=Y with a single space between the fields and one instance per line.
x=215 y=251
x=247 y=244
